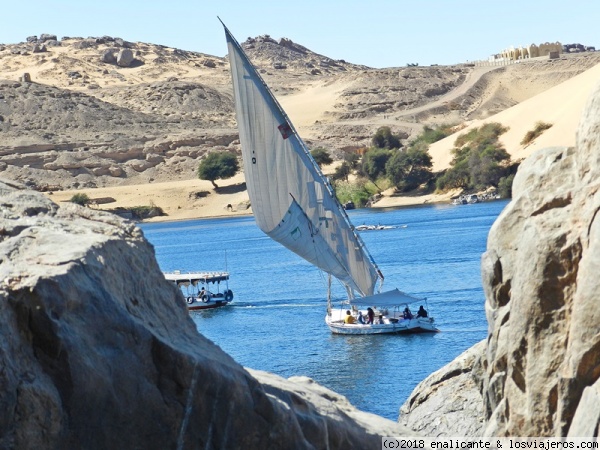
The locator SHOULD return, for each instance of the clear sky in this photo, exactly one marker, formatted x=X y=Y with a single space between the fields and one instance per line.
x=376 y=33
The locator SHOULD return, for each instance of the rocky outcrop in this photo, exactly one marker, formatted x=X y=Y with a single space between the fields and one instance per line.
x=98 y=351
x=448 y=402
x=64 y=140
x=540 y=276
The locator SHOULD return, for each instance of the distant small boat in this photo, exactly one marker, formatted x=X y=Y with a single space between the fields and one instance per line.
x=466 y=199
x=473 y=198
x=374 y=227
x=196 y=290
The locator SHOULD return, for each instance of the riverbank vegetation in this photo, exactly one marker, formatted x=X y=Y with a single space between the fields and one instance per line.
x=480 y=163
x=531 y=135
x=479 y=160
x=218 y=165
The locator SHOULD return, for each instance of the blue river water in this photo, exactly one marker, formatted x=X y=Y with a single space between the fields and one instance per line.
x=276 y=321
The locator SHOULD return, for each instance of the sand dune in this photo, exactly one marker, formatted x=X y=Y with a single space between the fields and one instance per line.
x=560 y=106
x=311 y=104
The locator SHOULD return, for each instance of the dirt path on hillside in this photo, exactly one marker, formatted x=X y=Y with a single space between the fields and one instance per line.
x=400 y=118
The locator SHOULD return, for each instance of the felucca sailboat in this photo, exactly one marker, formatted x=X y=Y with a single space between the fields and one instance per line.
x=294 y=204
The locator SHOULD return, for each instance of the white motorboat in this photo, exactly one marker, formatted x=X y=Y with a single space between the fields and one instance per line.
x=292 y=201
x=472 y=198
x=459 y=201
x=390 y=316
x=202 y=290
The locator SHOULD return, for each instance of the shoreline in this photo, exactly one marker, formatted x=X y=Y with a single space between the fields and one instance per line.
x=197 y=199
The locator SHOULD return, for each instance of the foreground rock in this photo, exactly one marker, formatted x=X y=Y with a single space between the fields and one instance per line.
x=448 y=402
x=97 y=352
x=540 y=275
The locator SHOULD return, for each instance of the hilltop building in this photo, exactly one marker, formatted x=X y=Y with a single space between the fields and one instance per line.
x=547 y=49
x=530 y=51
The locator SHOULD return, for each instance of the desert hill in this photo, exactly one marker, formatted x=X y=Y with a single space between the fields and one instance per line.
x=104 y=112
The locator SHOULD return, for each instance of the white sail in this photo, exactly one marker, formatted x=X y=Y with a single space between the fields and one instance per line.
x=292 y=201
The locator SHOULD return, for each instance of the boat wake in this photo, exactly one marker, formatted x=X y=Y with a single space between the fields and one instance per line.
x=465 y=330
x=271 y=305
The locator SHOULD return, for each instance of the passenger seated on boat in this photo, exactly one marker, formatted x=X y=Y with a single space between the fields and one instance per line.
x=370 y=316
x=380 y=320
x=361 y=318
x=349 y=318
x=407 y=314
x=422 y=312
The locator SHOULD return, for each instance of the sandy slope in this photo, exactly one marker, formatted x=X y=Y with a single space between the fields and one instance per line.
x=177 y=198
x=560 y=106
x=311 y=104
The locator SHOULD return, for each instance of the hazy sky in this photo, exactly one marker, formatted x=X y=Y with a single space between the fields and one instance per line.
x=376 y=33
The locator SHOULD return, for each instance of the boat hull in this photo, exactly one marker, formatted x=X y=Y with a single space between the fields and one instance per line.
x=403 y=326
x=199 y=305
x=216 y=301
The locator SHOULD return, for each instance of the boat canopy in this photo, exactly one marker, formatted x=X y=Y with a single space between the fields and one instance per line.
x=194 y=277
x=388 y=299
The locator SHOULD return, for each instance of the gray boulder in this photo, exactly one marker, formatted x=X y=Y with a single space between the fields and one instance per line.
x=98 y=351
x=108 y=56
x=38 y=48
x=125 y=57
x=85 y=43
x=448 y=402
x=47 y=37
x=540 y=276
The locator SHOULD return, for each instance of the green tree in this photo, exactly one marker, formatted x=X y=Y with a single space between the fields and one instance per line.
x=352 y=158
x=479 y=159
x=430 y=135
x=321 y=156
x=409 y=169
x=218 y=165
x=342 y=171
x=485 y=168
x=373 y=163
x=80 y=199
x=505 y=186
x=456 y=177
x=355 y=192
x=384 y=138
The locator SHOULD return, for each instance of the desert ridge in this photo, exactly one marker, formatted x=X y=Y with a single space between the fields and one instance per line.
x=137 y=134
x=560 y=105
